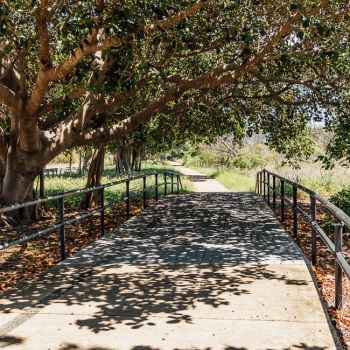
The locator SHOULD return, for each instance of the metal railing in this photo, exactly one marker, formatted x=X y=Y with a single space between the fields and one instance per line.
x=170 y=179
x=269 y=190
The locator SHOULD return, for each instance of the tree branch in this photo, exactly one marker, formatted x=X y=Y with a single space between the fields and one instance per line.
x=8 y=97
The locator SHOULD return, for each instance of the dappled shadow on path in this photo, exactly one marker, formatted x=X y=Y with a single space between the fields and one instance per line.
x=201 y=229
x=133 y=295
x=145 y=347
x=186 y=261
x=199 y=178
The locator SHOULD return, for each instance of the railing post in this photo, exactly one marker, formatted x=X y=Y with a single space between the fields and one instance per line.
x=338 y=242
x=178 y=184
x=165 y=184
x=62 y=230
x=257 y=183
x=282 y=200
x=264 y=176
x=127 y=198
x=295 y=211
x=273 y=192
x=313 y=231
x=268 y=188
x=172 y=183
x=144 y=193
x=156 y=186
x=102 y=212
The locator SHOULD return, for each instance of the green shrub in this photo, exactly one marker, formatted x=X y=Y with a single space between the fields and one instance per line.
x=247 y=162
x=342 y=200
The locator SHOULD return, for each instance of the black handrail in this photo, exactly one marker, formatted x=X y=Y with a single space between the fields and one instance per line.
x=60 y=227
x=342 y=219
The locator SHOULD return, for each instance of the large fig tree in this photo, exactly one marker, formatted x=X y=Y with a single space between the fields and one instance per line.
x=76 y=73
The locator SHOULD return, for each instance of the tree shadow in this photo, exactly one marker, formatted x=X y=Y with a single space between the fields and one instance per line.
x=135 y=295
x=188 y=252
x=8 y=340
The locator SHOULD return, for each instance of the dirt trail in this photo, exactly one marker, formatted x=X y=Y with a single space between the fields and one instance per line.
x=202 y=183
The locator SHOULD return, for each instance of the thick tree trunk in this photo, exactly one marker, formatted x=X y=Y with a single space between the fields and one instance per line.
x=91 y=199
x=86 y=158
x=129 y=159
x=17 y=184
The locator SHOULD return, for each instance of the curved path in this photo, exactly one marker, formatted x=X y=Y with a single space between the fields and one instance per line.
x=195 y=271
x=202 y=183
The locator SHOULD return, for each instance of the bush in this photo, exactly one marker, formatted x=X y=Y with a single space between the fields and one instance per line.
x=342 y=200
x=247 y=162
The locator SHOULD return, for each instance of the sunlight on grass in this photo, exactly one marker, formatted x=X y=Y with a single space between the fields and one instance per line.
x=74 y=181
x=232 y=179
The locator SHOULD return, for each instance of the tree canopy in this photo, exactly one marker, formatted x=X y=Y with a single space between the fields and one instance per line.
x=76 y=73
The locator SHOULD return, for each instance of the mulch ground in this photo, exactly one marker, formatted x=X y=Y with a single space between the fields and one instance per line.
x=25 y=261
x=324 y=271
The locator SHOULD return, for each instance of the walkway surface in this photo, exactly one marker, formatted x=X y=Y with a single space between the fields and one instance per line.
x=202 y=183
x=196 y=271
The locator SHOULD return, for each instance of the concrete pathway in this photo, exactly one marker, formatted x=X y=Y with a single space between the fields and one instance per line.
x=196 y=271
x=201 y=182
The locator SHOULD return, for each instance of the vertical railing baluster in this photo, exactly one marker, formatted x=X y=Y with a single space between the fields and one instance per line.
x=313 y=231
x=172 y=183
x=295 y=211
x=102 y=212
x=178 y=184
x=264 y=173
x=257 y=183
x=156 y=186
x=282 y=201
x=165 y=184
x=338 y=242
x=268 y=188
x=62 y=228
x=144 y=193
x=273 y=192
x=127 y=198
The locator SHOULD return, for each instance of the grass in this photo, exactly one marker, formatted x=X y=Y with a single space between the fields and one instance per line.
x=233 y=180
x=310 y=174
x=70 y=182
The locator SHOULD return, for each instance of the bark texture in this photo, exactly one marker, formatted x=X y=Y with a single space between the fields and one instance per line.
x=129 y=158
x=92 y=199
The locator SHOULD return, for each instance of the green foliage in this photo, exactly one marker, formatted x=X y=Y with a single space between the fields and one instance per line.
x=247 y=162
x=300 y=77
x=342 y=200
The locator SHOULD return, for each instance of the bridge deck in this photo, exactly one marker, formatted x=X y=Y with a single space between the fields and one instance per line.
x=196 y=271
